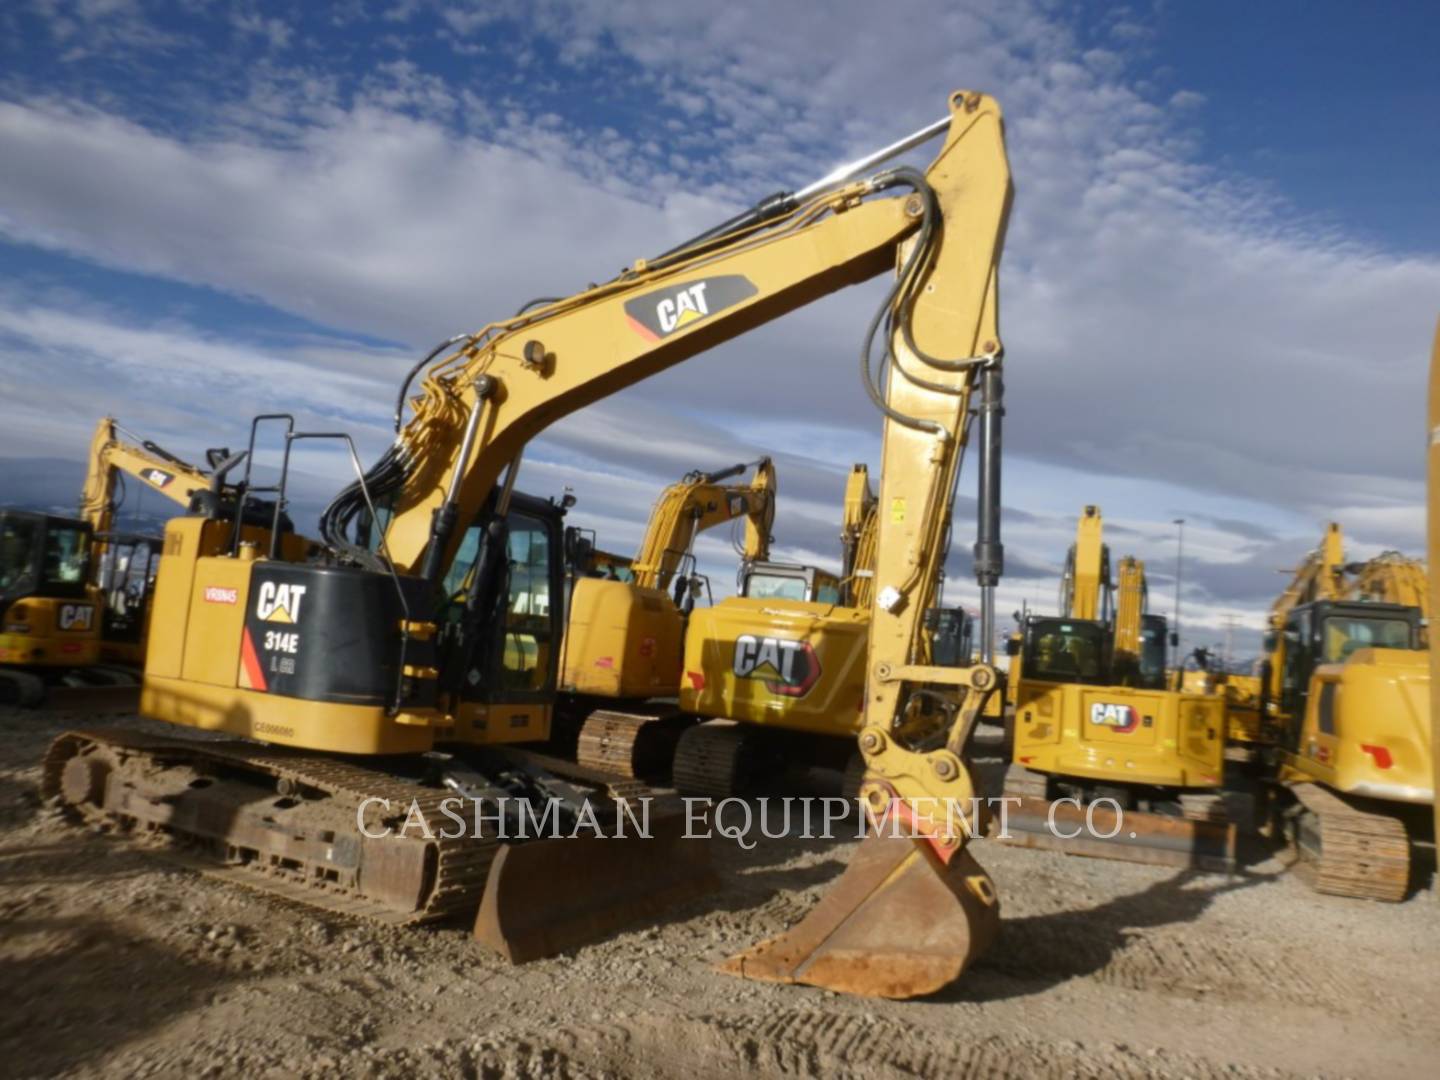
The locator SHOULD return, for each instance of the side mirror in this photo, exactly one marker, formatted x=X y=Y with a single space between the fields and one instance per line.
x=1174 y=639
x=1012 y=646
x=1269 y=641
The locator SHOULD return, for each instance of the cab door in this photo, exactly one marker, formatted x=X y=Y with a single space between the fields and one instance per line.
x=503 y=620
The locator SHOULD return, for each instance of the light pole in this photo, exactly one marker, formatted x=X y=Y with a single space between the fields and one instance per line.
x=1179 y=564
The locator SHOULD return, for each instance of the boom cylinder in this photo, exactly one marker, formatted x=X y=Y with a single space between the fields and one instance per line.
x=989 y=551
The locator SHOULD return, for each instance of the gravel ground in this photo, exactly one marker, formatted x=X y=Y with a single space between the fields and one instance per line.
x=116 y=961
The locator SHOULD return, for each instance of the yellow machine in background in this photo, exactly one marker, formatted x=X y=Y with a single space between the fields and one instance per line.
x=777 y=673
x=386 y=646
x=1348 y=696
x=73 y=592
x=1095 y=719
x=623 y=639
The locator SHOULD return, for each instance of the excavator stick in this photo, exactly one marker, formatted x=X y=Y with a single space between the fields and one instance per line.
x=532 y=907
x=900 y=923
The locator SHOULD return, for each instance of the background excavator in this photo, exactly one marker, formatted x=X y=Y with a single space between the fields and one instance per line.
x=777 y=673
x=623 y=641
x=1347 y=697
x=775 y=676
x=1095 y=719
x=367 y=651
x=73 y=592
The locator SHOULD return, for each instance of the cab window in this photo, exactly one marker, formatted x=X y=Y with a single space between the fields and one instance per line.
x=1342 y=635
x=17 y=550
x=774 y=587
x=67 y=551
x=1152 y=654
x=525 y=661
x=1062 y=651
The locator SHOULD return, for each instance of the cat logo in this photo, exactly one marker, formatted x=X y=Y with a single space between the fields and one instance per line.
x=794 y=662
x=658 y=314
x=1120 y=718
x=279 y=603
x=76 y=616
x=156 y=477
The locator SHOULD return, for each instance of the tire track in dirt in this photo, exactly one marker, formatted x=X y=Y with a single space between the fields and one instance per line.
x=800 y=1043
x=1165 y=962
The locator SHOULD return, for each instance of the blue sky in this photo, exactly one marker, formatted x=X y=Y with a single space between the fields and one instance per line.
x=1332 y=103
x=1222 y=272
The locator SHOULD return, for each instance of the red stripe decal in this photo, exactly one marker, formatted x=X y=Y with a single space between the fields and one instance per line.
x=253 y=670
x=641 y=329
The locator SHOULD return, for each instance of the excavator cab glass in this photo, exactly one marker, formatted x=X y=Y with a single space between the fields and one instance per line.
x=19 y=543
x=513 y=653
x=43 y=555
x=1153 y=641
x=789 y=581
x=1341 y=635
x=1065 y=651
x=1330 y=632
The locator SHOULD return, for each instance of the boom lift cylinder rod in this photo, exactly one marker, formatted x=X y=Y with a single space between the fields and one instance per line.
x=989 y=551
x=782 y=202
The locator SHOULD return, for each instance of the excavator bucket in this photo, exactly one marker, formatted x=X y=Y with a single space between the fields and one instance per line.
x=899 y=923
x=545 y=897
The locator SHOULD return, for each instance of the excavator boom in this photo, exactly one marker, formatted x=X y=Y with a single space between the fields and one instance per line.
x=699 y=502
x=111 y=456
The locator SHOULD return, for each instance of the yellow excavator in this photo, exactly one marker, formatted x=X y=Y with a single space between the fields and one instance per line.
x=73 y=592
x=1095 y=720
x=620 y=670
x=775 y=676
x=1347 y=692
x=386 y=679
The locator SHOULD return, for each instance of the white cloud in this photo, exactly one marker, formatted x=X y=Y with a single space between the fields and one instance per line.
x=1167 y=325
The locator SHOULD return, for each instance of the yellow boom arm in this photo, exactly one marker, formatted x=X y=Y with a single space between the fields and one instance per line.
x=857 y=537
x=699 y=502
x=1131 y=593
x=110 y=456
x=1085 y=585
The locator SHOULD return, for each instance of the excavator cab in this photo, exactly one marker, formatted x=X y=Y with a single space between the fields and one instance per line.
x=1331 y=632
x=49 y=615
x=125 y=574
